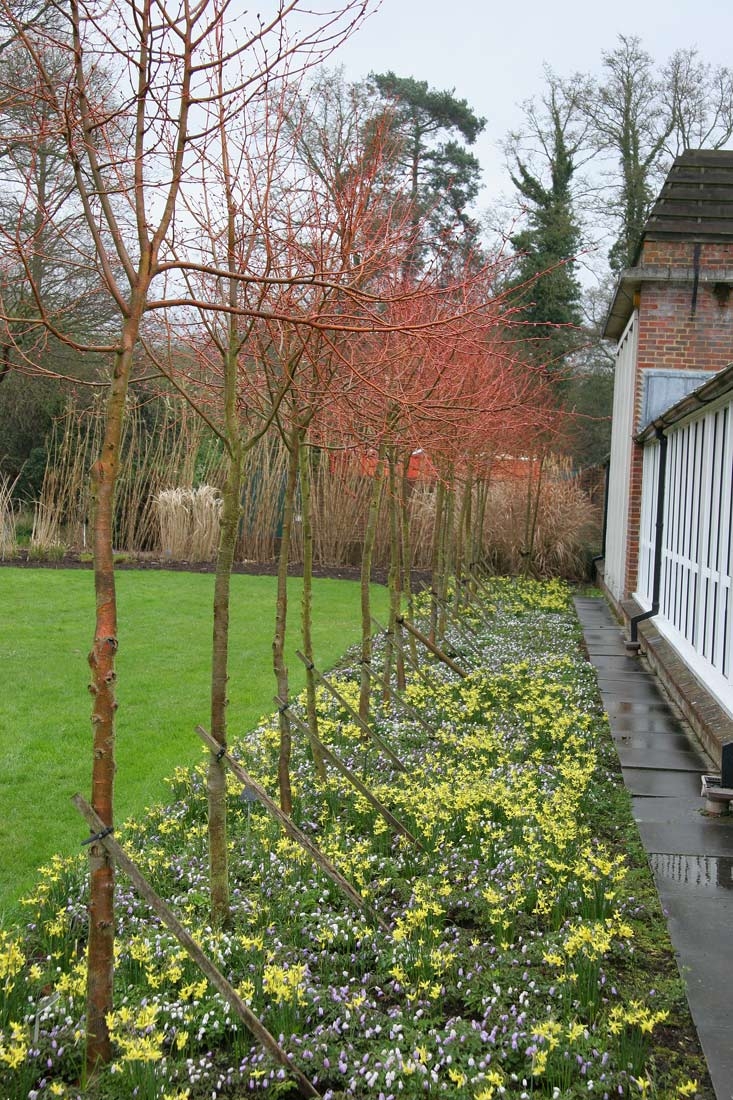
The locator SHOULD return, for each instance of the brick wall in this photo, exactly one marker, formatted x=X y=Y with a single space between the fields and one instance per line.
x=682 y=253
x=676 y=331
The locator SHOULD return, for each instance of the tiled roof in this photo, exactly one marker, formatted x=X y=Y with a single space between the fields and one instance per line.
x=696 y=205
x=696 y=201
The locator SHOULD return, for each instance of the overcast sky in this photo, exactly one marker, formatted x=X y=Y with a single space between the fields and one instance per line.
x=493 y=53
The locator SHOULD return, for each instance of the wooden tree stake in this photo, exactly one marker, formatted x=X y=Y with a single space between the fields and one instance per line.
x=217 y=979
x=407 y=651
x=350 y=710
x=292 y=829
x=457 y=626
x=433 y=648
x=339 y=765
x=405 y=707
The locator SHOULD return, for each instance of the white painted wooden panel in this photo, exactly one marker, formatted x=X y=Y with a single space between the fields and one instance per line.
x=696 y=608
x=620 y=464
x=645 y=574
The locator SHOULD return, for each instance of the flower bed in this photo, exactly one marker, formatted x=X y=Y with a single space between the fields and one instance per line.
x=527 y=957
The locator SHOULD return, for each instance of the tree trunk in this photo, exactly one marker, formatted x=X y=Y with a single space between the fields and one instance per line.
x=306 y=512
x=102 y=660
x=394 y=579
x=462 y=538
x=479 y=538
x=216 y=787
x=446 y=552
x=406 y=560
x=533 y=507
x=436 y=557
x=366 y=575
x=278 y=644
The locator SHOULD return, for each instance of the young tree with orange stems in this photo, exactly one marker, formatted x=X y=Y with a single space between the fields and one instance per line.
x=133 y=148
x=428 y=301
x=239 y=224
x=412 y=378
x=316 y=239
x=331 y=212
x=344 y=233
x=510 y=398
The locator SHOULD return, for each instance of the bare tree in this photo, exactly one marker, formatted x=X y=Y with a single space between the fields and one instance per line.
x=623 y=128
x=699 y=97
x=642 y=114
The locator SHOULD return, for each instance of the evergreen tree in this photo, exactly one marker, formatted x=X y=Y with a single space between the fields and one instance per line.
x=440 y=173
x=546 y=248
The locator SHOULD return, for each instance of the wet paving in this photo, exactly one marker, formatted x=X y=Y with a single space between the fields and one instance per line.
x=690 y=853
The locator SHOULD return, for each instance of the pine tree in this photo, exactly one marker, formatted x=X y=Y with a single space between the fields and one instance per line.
x=440 y=173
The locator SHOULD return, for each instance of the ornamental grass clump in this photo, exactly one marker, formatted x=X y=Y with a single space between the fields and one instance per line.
x=189 y=522
x=8 y=513
x=46 y=537
x=527 y=954
x=544 y=527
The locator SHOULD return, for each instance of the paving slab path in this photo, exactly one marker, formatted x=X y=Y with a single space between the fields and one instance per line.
x=690 y=853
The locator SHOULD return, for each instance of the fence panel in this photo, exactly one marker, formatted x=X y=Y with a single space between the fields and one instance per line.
x=695 y=607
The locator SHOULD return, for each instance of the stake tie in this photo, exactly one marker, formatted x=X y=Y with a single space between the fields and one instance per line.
x=98 y=836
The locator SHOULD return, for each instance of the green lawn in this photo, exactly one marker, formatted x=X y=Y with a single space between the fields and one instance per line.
x=46 y=627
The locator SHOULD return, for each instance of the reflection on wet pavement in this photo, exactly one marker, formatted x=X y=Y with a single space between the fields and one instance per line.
x=694 y=872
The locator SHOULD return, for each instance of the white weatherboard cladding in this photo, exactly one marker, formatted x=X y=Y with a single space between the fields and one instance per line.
x=620 y=465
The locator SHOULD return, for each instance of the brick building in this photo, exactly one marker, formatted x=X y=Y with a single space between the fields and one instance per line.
x=672 y=317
